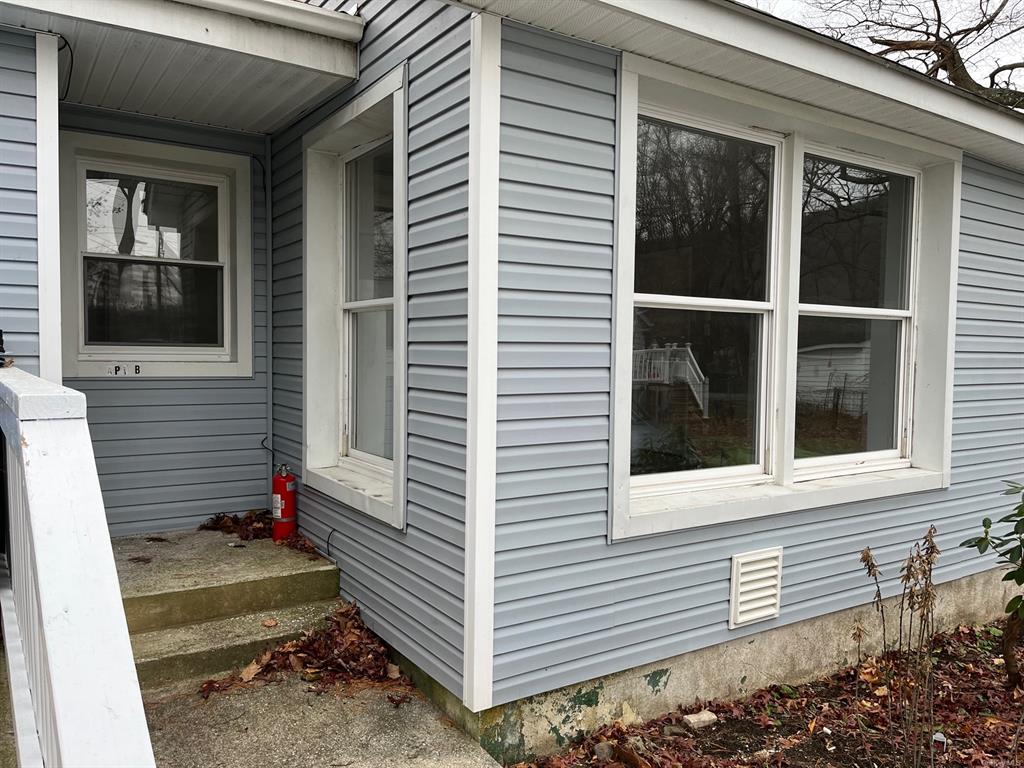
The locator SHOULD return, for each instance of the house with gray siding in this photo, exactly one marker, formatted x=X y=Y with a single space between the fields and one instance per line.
x=601 y=337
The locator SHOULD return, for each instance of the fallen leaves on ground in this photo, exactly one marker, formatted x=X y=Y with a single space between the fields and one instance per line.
x=849 y=720
x=256 y=524
x=270 y=623
x=344 y=651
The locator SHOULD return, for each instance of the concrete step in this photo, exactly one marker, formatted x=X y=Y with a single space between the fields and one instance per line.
x=181 y=578
x=205 y=649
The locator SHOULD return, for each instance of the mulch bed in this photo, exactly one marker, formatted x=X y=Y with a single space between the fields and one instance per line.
x=255 y=524
x=344 y=652
x=849 y=720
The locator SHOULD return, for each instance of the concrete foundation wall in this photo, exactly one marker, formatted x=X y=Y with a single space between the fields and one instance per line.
x=792 y=654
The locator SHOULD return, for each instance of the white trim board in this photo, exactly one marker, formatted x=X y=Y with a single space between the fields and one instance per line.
x=48 y=207
x=482 y=369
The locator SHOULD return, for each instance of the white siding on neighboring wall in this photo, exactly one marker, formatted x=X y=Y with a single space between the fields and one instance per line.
x=409 y=584
x=568 y=605
x=173 y=452
x=19 y=293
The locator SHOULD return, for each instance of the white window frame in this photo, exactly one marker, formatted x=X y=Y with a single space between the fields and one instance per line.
x=652 y=504
x=362 y=481
x=230 y=175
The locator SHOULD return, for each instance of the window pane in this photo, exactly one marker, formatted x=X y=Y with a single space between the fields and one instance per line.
x=703 y=207
x=846 y=374
x=855 y=235
x=371 y=274
x=695 y=390
x=373 y=395
x=137 y=216
x=152 y=304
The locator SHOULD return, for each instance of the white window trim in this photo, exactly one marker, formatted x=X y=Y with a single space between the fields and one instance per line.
x=661 y=503
x=231 y=175
x=367 y=483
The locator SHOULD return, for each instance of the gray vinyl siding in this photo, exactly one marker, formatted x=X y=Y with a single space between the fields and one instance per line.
x=409 y=584
x=569 y=606
x=172 y=452
x=19 y=283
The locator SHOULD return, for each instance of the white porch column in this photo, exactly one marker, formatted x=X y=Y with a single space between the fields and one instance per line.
x=47 y=207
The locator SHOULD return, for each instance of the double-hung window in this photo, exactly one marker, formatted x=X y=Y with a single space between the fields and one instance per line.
x=368 y=307
x=702 y=304
x=155 y=241
x=767 y=311
x=854 y=327
x=354 y=287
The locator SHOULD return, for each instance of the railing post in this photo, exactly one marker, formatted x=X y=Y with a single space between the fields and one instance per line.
x=67 y=599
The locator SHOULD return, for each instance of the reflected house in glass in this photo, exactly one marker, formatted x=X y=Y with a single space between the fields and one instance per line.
x=554 y=309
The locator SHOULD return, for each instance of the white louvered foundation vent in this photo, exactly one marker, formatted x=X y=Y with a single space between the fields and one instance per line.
x=756 y=586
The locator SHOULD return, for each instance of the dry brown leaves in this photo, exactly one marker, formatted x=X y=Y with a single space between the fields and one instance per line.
x=256 y=524
x=849 y=720
x=343 y=652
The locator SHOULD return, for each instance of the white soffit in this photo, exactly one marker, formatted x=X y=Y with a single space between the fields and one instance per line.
x=244 y=75
x=751 y=49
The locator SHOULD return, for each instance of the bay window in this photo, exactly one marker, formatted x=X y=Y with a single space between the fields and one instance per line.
x=769 y=315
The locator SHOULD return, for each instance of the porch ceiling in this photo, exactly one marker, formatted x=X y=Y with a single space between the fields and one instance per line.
x=736 y=44
x=251 y=76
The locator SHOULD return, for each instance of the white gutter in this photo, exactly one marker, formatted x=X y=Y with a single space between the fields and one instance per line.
x=290 y=13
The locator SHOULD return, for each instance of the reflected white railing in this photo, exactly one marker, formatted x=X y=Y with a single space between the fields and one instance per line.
x=671 y=364
x=67 y=610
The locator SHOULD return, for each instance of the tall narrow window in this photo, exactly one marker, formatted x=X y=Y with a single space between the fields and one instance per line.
x=854 y=310
x=368 y=305
x=702 y=301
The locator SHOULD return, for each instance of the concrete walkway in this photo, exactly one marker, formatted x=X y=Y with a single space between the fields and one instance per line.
x=282 y=724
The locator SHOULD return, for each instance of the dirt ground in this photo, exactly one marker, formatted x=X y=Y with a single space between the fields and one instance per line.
x=857 y=718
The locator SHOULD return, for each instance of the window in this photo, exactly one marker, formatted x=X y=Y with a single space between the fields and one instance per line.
x=701 y=304
x=161 y=253
x=354 y=303
x=855 y=244
x=368 y=309
x=767 y=309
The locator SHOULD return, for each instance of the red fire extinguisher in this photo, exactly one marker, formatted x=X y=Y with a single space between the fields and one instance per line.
x=283 y=500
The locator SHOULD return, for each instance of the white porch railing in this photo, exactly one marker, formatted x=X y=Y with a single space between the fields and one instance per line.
x=668 y=365
x=67 y=610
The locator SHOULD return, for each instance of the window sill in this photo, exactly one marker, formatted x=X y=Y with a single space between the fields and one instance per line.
x=360 y=486
x=139 y=367
x=681 y=510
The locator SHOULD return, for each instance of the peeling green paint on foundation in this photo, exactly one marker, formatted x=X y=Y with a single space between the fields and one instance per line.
x=657 y=680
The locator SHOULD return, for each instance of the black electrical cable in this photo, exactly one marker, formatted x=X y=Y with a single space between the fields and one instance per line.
x=65 y=43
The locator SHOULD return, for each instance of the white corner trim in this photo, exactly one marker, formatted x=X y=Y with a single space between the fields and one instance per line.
x=482 y=368
x=48 y=207
x=622 y=308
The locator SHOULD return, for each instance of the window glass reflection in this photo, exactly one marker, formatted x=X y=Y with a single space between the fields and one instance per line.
x=855 y=235
x=846 y=385
x=702 y=213
x=695 y=384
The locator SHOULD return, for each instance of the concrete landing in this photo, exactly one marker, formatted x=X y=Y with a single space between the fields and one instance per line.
x=172 y=579
x=284 y=725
